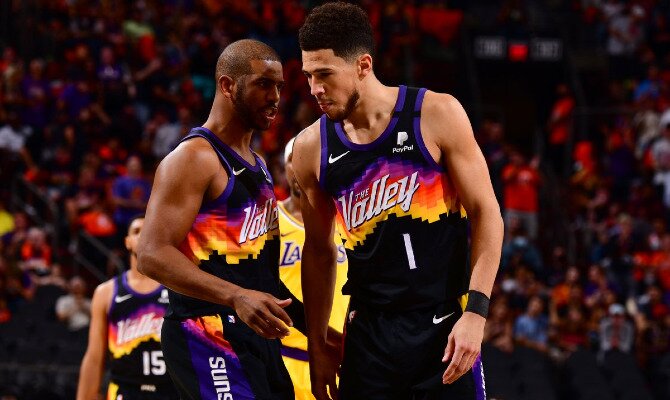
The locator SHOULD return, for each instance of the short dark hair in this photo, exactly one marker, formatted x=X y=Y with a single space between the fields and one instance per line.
x=133 y=219
x=345 y=28
x=235 y=59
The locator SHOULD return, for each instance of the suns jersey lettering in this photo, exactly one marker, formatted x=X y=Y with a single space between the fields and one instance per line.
x=134 y=322
x=402 y=223
x=292 y=239
x=235 y=236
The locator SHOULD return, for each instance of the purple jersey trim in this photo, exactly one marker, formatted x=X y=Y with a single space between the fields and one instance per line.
x=389 y=128
x=124 y=281
x=419 y=137
x=115 y=291
x=209 y=205
x=296 y=354
x=324 y=152
x=239 y=158
x=478 y=376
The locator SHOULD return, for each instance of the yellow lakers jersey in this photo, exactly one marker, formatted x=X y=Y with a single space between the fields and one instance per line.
x=292 y=239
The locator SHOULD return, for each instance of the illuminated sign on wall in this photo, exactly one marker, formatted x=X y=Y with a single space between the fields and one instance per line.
x=535 y=49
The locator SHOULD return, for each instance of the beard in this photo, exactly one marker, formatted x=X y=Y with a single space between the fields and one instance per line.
x=246 y=113
x=348 y=107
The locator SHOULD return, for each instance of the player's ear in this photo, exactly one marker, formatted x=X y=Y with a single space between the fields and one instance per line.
x=364 y=65
x=126 y=241
x=226 y=85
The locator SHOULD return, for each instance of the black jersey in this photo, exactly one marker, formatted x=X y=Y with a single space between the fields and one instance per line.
x=398 y=212
x=133 y=336
x=236 y=236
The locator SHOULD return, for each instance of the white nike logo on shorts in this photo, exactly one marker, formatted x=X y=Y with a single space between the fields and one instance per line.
x=438 y=320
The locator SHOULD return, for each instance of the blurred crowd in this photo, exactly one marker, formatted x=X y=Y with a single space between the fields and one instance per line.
x=102 y=90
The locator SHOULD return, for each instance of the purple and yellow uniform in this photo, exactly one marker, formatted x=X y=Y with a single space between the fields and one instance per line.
x=210 y=352
x=405 y=233
x=136 y=363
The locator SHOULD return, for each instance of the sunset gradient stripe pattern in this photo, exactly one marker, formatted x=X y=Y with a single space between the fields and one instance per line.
x=219 y=229
x=434 y=197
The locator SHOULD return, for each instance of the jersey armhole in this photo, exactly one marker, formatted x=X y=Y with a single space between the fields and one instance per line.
x=206 y=205
x=417 y=132
x=115 y=292
x=263 y=167
x=324 y=152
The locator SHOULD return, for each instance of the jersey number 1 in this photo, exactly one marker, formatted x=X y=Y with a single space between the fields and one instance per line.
x=152 y=362
x=409 y=250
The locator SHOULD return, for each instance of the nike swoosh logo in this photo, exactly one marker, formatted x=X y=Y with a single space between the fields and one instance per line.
x=286 y=234
x=120 y=299
x=238 y=172
x=332 y=159
x=438 y=320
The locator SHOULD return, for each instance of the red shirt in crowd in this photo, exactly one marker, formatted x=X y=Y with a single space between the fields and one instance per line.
x=521 y=187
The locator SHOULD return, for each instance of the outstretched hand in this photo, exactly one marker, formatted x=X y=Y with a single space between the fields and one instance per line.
x=263 y=313
x=463 y=347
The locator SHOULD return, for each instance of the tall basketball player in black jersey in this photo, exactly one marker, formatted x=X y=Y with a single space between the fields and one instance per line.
x=126 y=318
x=398 y=171
x=211 y=236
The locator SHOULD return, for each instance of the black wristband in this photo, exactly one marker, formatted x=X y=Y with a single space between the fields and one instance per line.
x=478 y=303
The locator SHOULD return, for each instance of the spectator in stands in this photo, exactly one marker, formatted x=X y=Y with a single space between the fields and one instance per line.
x=521 y=182
x=36 y=252
x=130 y=193
x=35 y=93
x=74 y=308
x=560 y=128
x=616 y=333
x=569 y=332
x=531 y=328
x=519 y=248
x=13 y=137
x=560 y=294
x=499 y=327
x=652 y=305
x=491 y=142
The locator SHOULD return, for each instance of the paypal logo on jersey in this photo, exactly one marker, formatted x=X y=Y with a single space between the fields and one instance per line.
x=402 y=138
x=292 y=254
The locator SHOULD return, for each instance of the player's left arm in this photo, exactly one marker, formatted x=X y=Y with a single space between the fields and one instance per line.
x=93 y=363
x=449 y=138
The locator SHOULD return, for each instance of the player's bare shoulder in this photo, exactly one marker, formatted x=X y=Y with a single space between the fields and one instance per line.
x=102 y=296
x=443 y=120
x=180 y=162
x=306 y=150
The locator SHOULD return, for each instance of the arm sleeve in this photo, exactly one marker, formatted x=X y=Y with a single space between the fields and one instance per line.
x=295 y=310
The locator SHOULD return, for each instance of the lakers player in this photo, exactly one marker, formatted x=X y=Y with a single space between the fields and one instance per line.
x=294 y=346
x=398 y=170
x=126 y=317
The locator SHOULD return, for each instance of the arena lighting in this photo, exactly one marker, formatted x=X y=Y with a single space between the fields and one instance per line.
x=518 y=50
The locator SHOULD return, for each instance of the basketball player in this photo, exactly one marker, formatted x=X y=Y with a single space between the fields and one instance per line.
x=126 y=318
x=398 y=168
x=294 y=346
x=212 y=237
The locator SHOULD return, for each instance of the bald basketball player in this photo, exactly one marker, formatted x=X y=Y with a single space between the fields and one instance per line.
x=211 y=236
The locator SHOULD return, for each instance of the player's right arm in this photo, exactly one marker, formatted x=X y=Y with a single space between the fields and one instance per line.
x=93 y=363
x=318 y=261
x=183 y=179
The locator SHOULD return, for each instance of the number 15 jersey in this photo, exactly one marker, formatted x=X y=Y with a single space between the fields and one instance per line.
x=402 y=224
